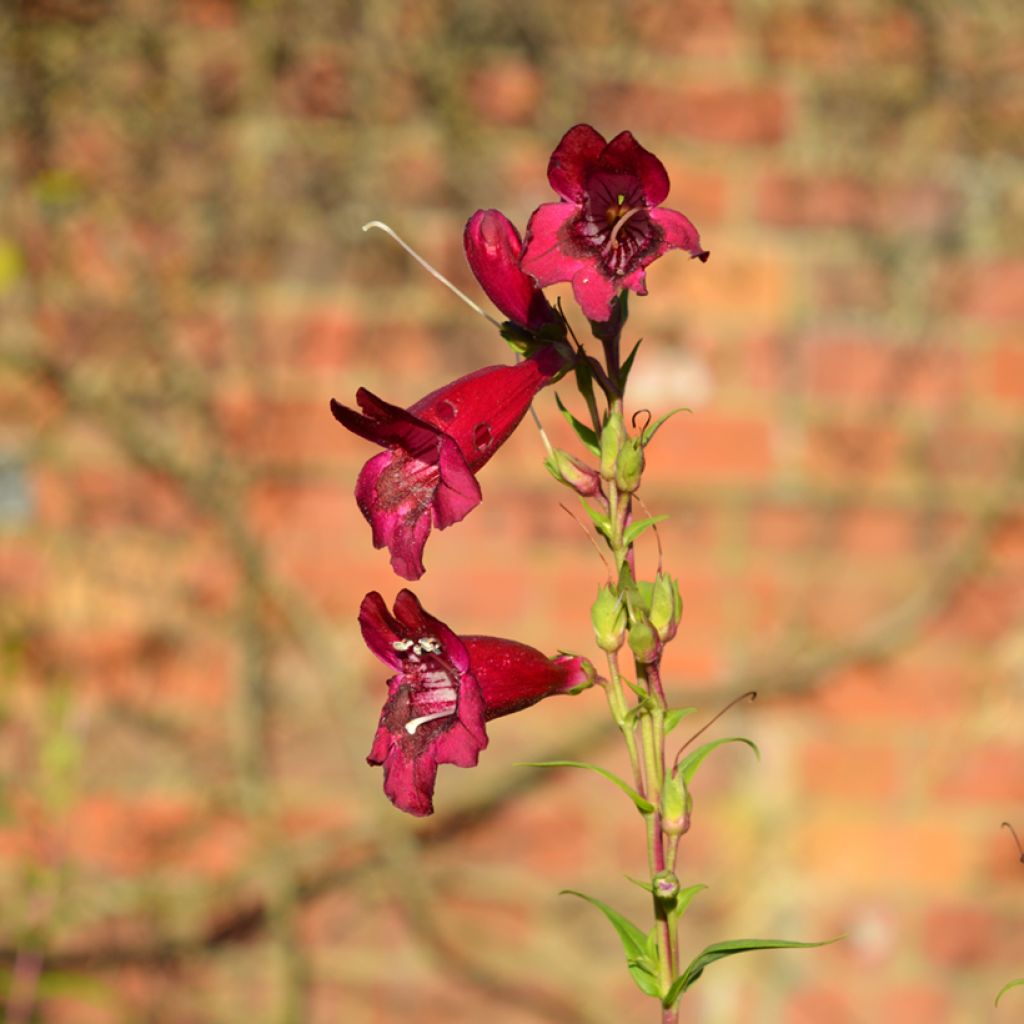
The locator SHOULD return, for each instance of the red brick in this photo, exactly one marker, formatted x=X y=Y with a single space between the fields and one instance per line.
x=703 y=195
x=992 y=774
x=843 y=770
x=505 y=90
x=742 y=115
x=709 y=447
x=842 y=38
x=994 y=292
x=316 y=85
x=845 y=452
x=1004 y=371
x=692 y=28
x=919 y=1004
x=820 y=1004
x=958 y=935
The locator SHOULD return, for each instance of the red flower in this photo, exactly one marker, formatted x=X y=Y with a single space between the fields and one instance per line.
x=444 y=690
x=609 y=225
x=493 y=248
x=427 y=474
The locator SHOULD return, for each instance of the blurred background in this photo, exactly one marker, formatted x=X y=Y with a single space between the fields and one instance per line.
x=188 y=830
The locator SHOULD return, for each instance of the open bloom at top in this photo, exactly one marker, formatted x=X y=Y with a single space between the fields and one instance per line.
x=444 y=689
x=493 y=249
x=609 y=225
x=426 y=475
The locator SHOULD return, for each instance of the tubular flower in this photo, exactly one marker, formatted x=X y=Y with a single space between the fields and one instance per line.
x=433 y=450
x=493 y=249
x=444 y=689
x=609 y=224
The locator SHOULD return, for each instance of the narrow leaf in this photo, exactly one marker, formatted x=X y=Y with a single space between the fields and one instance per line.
x=646 y=979
x=684 y=898
x=648 y=434
x=675 y=715
x=633 y=940
x=643 y=805
x=599 y=520
x=583 y=432
x=634 y=530
x=719 y=950
x=627 y=366
x=646 y=886
x=1006 y=988
x=688 y=765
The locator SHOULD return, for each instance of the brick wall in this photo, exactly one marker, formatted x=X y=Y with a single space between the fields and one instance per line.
x=187 y=828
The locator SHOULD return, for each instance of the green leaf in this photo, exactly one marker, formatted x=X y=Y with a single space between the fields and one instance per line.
x=627 y=366
x=634 y=530
x=719 y=950
x=643 y=970
x=1006 y=988
x=688 y=765
x=583 y=432
x=598 y=519
x=646 y=886
x=684 y=898
x=645 y=707
x=643 y=805
x=648 y=434
x=675 y=715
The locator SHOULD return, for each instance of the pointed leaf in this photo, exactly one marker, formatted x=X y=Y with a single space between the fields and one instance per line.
x=633 y=940
x=1006 y=988
x=583 y=432
x=675 y=715
x=627 y=366
x=599 y=519
x=648 y=434
x=634 y=530
x=719 y=950
x=684 y=898
x=646 y=886
x=688 y=765
x=646 y=979
x=643 y=805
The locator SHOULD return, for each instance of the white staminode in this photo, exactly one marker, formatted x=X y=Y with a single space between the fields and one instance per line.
x=412 y=725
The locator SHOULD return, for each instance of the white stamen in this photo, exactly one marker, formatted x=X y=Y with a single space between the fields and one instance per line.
x=401 y=645
x=435 y=273
x=412 y=725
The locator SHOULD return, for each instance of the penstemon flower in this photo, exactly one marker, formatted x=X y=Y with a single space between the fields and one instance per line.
x=609 y=225
x=434 y=449
x=444 y=690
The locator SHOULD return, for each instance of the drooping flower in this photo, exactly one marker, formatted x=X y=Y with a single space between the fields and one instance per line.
x=444 y=689
x=493 y=249
x=609 y=225
x=427 y=474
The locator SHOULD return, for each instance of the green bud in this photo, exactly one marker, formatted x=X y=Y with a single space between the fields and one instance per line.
x=643 y=642
x=575 y=474
x=666 y=607
x=629 y=466
x=666 y=885
x=612 y=436
x=676 y=804
x=608 y=615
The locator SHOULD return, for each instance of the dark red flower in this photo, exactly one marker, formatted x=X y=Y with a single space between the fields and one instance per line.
x=444 y=690
x=427 y=474
x=609 y=225
x=493 y=248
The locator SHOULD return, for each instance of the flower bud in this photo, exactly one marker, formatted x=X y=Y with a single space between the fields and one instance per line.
x=666 y=885
x=676 y=804
x=568 y=470
x=666 y=607
x=643 y=642
x=629 y=466
x=608 y=615
x=612 y=436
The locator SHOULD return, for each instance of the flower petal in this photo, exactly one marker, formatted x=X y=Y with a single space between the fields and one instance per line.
x=380 y=629
x=624 y=155
x=594 y=292
x=545 y=257
x=679 y=233
x=418 y=622
x=458 y=492
x=409 y=779
x=572 y=161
